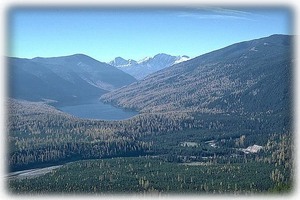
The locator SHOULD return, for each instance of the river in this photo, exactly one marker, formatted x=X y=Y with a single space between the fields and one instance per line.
x=31 y=173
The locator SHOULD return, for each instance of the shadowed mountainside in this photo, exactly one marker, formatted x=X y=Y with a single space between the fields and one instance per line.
x=251 y=76
x=68 y=78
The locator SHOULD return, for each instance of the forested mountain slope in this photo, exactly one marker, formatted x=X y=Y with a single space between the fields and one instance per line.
x=247 y=77
x=68 y=78
x=197 y=116
x=39 y=134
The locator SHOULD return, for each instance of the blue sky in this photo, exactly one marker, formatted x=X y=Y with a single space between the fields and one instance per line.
x=136 y=33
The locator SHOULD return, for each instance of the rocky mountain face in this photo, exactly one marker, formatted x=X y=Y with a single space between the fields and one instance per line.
x=243 y=78
x=142 y=68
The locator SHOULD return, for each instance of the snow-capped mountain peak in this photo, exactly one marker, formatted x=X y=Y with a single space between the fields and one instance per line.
x=118 y=61
x=181 y=59
x=132 y=62
x=141 y=68
x=144 y=60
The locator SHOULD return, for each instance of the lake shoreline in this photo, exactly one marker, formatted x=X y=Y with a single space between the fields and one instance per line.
x=97 y=110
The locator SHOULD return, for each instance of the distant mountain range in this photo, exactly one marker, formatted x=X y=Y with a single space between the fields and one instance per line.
x=247 y=77
x=68 y=78
x=140 y=69
x=243 y=78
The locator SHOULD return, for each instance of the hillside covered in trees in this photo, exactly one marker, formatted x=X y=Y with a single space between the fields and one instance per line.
x=247 y=77
x=63 y=80
x=219 y=123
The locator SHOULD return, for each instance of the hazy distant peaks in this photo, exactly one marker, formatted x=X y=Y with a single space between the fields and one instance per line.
x=141 y=68
x=118 y=61
x=121 y=62
x=181 y=59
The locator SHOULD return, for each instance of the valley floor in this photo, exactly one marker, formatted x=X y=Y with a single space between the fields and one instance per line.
x=161 y=153
x=150 y=175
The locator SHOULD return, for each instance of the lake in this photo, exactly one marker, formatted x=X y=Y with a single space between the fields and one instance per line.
x=98 y=110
